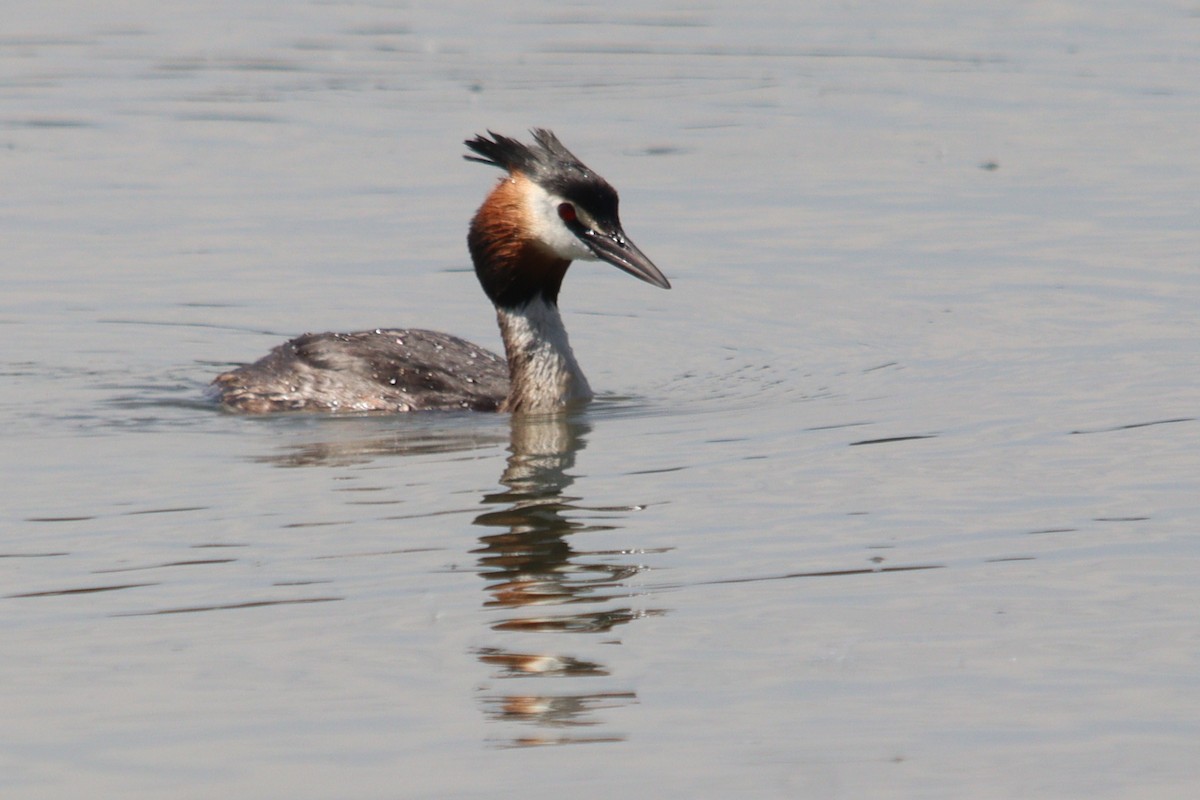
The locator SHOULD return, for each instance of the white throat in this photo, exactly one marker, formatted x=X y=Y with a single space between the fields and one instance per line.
x=545 y=375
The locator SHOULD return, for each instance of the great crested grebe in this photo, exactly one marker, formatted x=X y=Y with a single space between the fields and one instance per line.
x=548 y=211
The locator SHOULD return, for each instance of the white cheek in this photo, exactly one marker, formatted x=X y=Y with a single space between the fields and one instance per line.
x=549 y=229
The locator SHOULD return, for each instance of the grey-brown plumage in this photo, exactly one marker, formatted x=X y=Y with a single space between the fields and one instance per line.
x=382 y=370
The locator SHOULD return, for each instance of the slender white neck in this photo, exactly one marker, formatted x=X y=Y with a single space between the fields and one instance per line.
x=543 y=370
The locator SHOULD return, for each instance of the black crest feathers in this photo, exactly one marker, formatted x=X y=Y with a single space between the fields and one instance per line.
x=546 y=159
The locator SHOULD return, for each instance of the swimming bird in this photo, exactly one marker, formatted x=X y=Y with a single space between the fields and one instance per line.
x=548 y=210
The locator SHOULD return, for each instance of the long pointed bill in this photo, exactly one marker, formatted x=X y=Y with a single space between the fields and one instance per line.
x=617 y=250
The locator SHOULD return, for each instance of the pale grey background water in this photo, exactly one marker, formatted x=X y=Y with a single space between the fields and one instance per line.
x=894 y=495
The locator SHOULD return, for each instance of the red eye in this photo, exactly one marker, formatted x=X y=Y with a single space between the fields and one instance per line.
x=566 y=212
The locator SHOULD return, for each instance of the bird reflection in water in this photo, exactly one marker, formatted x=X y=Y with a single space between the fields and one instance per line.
x=537 y=583
x=530 y=566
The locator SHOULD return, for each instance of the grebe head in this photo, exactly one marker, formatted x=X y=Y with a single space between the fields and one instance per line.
x=550 y=210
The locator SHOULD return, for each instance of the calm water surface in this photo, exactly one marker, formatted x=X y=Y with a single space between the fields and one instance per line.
x=895 y=494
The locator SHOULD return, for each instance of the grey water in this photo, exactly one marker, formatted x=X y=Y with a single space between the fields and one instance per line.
x=896 y=493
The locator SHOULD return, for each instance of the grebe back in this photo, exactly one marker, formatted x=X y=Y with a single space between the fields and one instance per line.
x=549 y=210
